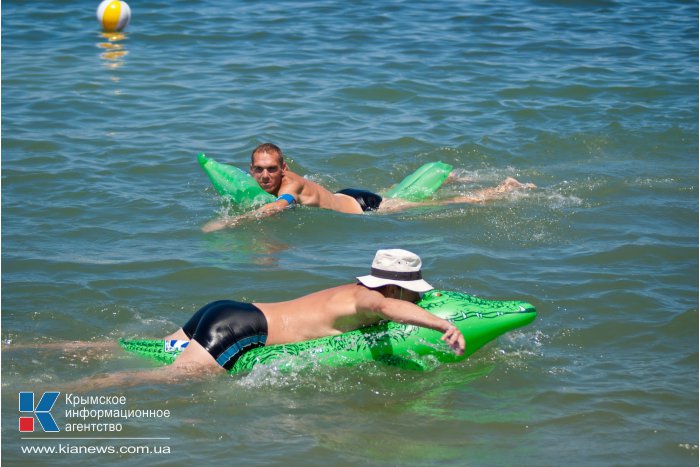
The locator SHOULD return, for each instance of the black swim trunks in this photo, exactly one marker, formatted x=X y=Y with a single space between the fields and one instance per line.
x=368 y=201
x=227 y=330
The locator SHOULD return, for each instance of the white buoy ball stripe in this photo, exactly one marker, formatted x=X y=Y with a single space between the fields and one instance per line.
x=113 y=15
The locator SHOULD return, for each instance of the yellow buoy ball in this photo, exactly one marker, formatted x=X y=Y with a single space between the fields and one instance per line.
x=113 y=15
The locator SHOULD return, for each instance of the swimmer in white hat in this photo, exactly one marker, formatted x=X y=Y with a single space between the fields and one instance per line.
x=217 y=335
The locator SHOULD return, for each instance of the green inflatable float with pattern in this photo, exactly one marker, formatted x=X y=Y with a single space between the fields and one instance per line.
x=406 y=346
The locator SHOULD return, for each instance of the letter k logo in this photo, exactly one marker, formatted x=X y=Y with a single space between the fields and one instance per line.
x=41 y=411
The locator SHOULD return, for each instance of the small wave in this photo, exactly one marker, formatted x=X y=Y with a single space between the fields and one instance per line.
x=299 y=372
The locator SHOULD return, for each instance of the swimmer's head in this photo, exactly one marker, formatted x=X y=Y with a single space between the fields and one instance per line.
x=396 y=274
x=269 y=148
x=267 y=167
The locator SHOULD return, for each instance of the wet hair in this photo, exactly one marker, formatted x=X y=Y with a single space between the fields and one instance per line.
x=269 y=148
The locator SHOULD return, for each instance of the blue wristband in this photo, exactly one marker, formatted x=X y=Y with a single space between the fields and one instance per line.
x=288 y=198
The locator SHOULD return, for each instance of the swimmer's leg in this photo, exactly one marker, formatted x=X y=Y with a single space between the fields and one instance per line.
x=480 y=196
x=70 y=346
x=195 y=357
x=66 y=346
x=488 y=194
x=193 y=363
x=177 y=335
x=389 y=205
x=454 y=178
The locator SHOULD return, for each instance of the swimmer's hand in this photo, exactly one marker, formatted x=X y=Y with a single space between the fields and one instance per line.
x=218 y=224
x=454 y=338
x=264 y=211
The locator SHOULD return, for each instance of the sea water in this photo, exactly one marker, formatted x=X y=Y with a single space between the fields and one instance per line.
x=596 y=102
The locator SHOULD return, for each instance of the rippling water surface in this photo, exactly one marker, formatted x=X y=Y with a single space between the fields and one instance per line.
x=596 y=102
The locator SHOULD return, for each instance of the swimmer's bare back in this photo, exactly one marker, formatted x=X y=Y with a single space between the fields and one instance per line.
x=309 y=193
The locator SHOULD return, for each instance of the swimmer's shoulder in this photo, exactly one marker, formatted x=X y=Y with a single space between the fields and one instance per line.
x=292 y=183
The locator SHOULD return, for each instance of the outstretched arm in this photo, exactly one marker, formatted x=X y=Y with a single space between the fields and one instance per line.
x=405 y=312
x=263 y=211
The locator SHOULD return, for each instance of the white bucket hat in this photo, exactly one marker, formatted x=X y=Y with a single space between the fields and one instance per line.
x=398 y=267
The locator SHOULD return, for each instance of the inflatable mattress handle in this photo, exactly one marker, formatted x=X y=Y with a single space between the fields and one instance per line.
x=234 y=184
x=422 y=183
